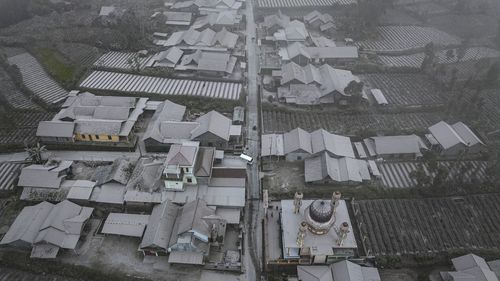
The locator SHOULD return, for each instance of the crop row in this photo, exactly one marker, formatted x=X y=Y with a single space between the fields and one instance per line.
x=406 y=89
x=423 y=226
x=276 y=121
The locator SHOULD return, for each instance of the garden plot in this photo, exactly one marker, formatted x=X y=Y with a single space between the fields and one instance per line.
x=404 y=38
x=279 y=121
x=424 y=226
x=9 y=171
x=490 y=111
x=442 y=57
x=37 y=80
x=13 y=96
x=406 y=89
x=19 y=128
x=120 y=60
x=130 y=83
x=79 y=54
x=397 y=174
x=303 y=3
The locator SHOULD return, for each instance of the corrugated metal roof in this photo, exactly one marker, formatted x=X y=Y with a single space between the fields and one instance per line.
x=125 y=224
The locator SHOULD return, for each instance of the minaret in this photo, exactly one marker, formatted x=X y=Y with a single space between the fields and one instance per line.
x=301 y=235
x=342 y=233
x=297 y=202
x=335 y=201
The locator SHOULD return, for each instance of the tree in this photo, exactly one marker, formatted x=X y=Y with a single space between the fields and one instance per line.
x=420 y=176
x=355 y=89
x=429 y=58
x=35 y=153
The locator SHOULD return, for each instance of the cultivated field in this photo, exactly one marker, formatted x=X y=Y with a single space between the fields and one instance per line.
x=121 y=60
x=79 y=54
x=9 y=171
x=406 y=89
x=37 y=80
x=302 y=3
x=277 y=121
x=7 y=274
x=19 y=128
x=13 y=96
x=489 y=117
x=397 y=174
x=416 y=60
x=423 y=226
x=402 y=38
x=130 y=83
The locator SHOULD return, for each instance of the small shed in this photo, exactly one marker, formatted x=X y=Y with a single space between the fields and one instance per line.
x=125 y=224
x=379 y=97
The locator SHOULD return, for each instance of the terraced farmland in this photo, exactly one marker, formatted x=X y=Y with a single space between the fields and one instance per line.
x=406 y=89
x=120 y=60
x=7 y=274
x=37 y=80
x=402 y=38
x=490 y=112
x=397 y=174
x=19 y=128
x=302 y=3
x=130 y=83
x=276 y=121
x=423 y=226
x=13 y=96
x=415 y=60
x=9 y=171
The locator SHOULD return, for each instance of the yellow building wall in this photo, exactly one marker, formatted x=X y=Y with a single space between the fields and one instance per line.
x=102 y=138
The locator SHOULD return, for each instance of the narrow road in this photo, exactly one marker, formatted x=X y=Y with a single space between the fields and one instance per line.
x=253 y=230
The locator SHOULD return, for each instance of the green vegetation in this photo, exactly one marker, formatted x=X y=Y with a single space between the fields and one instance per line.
x=55 y=64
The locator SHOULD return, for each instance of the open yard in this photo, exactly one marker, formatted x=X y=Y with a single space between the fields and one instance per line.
x=426 y=226
x=279 y=121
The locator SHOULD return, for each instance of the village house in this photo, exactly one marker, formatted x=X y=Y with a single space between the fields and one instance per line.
x=387 y=147
x=454 y=140
x=343 y=270
x=167 y=128
x=48 y=228
x=88 y=119
x=311 y=85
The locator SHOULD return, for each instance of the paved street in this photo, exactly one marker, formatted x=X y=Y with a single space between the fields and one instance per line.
x=253 y=241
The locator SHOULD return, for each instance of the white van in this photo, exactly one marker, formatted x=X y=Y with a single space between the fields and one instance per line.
x=246 y=158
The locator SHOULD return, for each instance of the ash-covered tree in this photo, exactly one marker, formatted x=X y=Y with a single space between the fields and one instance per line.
x=355 y=91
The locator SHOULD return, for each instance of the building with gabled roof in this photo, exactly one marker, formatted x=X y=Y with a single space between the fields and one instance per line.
x=178 y=18
x=404 y=146
x=159 y=229
x=275 y=21
x=196 y=228
x=335 y=145
x=48 y=228
x=167 y=128
x=453 y=140
x=49 y=175
x=326 y=169
x=343 y=270
x=469 y=267
x=193 y=39
x=297 y=144
x=297 y=52
x=294 y=31
x=315 y=19
x=168 y=58
x=323 y=84
x=95 y=120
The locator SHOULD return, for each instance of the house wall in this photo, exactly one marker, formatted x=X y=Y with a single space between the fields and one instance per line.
x=212 y=140
x=97 y=138
x=55 y=140
x=296 y=156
